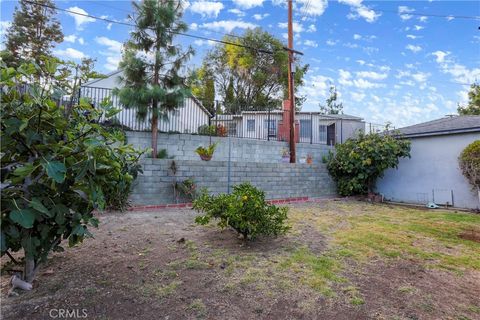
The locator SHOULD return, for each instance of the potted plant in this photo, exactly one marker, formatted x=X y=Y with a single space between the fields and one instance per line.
x=206 y=153
x=285 y=155
x=309 y=159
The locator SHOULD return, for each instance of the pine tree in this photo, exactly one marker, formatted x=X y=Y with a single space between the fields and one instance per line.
x=34 y=32
x=332 y=106
x=151 y=63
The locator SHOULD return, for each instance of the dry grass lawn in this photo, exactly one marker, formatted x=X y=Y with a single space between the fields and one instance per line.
x=341 y=260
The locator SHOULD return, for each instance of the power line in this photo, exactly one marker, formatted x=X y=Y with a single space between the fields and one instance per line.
x=204 y=28
x=429 y=14
x=169 y=31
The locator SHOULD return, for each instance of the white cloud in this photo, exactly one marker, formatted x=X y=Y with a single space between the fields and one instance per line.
x=310 y=43
x=109 y=26
x=361 y=62
x=313 y=7
x=420 y=76
x=228 y=25
x=372 y=75
x=112 y=45
x=81 y=41
x=312 y=28
x=357 y=37
x=411 y=36
x=4 y=25
x=248 y=4
x=358 y=10
x=237 y=11
x=193 y=26
x=71 y=38
x=440 y=55
x=423 y=19
x=331 y=42
x=112 y=63
x=404 y=11
x=297 y=27
x=450 y=18
x=200 y=42
x=418 y=28
x=80 y=21
x=357 y=96
x=70 y=53
x=259 y=16
x=206 y=8
x=413 y=48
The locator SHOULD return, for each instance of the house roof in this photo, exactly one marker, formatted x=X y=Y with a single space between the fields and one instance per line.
x=89 y=83
x=329 y=116
x=443 y=126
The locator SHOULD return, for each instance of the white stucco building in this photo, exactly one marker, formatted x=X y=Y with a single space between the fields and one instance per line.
x=432 y=174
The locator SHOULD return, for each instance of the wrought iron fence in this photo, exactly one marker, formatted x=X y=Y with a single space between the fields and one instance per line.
x=270 y=124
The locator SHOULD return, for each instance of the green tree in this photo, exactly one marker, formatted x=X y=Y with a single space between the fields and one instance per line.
x=33 y=33
x=359 y=162
x=469 y=161
x=56 y=169
x=332 y=106
x=473 y=105
x=202 y=84
x=151 y=62
x=248 y=78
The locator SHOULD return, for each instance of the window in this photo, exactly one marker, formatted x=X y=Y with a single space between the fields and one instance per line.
x=232 y=128
x=322 y=129
x=305 y=128
x=271 y=126
x=251 y=125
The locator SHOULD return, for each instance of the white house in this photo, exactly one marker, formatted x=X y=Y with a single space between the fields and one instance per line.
x=432 y=174
x=186 y=119
x=312 y=127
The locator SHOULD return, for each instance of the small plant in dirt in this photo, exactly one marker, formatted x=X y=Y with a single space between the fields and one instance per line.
x=206 y=153
x=187 y=188
x=359 y=162
x=245 y=210
x=57 y=167
x=469 y=161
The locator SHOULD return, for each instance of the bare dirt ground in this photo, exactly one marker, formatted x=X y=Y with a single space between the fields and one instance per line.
x=341 y=260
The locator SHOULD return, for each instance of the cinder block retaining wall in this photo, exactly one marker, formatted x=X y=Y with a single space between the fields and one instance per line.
x=182 y=147
x=278 y=180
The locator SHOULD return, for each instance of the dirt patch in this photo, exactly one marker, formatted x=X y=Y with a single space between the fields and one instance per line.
x=471 y=234
x=160 y=265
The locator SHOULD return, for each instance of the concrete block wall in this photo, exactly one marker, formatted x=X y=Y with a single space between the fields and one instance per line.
x=278 y=180
x=182 y=147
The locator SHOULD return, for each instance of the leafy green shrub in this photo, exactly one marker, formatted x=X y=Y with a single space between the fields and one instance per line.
x=245 y=210
x=56 y=168
x=469 y=161
x=207 y=130
x=359 y=162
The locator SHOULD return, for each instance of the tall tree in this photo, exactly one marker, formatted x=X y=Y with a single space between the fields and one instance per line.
x=202 y=84
x=248 y=78
x=332 y=106
x=34 y=32
x=151 y=62
x=473 y=105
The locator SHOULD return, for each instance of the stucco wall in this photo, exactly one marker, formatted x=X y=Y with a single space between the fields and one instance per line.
x=278 y=180
x=432 y=173
x=182 y=147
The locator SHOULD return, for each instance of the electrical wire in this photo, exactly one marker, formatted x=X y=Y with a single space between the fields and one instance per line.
x=169 y=31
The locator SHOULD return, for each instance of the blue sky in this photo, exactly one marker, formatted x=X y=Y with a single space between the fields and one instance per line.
x=388 y=60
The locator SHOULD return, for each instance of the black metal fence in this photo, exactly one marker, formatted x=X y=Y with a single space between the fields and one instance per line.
x=270 y=124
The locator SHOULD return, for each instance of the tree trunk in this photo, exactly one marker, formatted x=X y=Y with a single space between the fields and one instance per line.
x=30 y=269
x=154 y=131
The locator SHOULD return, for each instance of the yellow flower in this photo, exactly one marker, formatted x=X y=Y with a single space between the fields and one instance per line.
x=244 y=198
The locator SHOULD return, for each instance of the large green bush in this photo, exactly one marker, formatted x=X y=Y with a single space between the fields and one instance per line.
x=469 y=161
x=359 y=162
x=57 y=167
x=245 y=210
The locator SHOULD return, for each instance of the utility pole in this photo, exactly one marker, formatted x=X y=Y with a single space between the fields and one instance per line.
x=291 y=88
